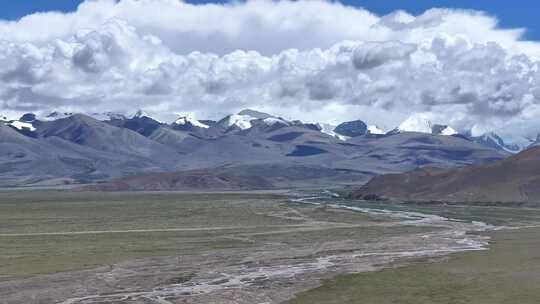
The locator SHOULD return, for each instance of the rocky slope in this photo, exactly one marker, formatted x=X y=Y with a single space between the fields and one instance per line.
x=514 y=179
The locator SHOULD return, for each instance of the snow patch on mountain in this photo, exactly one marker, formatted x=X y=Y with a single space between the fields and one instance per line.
x=102 y=116
x=416 y=123
x=20 y=125
x=139 y=113
x=273 y=120
x=186 y=120
x=107 y=116
x=243 y=122
x=375 y=130
x=449 y=131
x=423 y=123
x=142 y=114
x=329 y=129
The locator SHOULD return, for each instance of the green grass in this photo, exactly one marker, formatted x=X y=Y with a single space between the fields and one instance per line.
x=252 y=220
x=46 y=254
x=53 y=212
x=508 y=273
x=34 y=212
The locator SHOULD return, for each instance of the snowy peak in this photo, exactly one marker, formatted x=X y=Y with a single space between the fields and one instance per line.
x=416 y=123
x=108 y=116
x=140 y=113
x=248 y=119
x=271 y=121
x=422 y=123
x=141 y=116
x=449 y=131
x=492 y=140
x=102 y=116
x=443 y=130
x=266 y=125
x=242 y=122
x=187 y=121
x=245 y=119
x=374 y=130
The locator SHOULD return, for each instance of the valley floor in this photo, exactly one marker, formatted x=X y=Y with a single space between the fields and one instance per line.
x=509 y=272
x=258 y=247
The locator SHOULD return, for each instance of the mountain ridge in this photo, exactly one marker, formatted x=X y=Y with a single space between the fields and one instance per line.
x=138 y=144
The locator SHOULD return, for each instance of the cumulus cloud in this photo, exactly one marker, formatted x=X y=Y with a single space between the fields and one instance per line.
x=374 y=54
x=313 y=60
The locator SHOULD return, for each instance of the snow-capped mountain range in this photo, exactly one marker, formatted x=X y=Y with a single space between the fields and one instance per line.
x=244 y=121
x=65 y=147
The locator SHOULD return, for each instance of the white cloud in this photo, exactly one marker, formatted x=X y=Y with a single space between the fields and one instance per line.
x=312 y=60
x=267 y=27
x=373 y=54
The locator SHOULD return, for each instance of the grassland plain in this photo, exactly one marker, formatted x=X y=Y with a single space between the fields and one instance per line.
x=58 y=245
x=250 y=247
x=507 y=273
x=51 y=231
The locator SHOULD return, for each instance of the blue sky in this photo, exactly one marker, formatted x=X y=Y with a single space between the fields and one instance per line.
x=510 y=13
